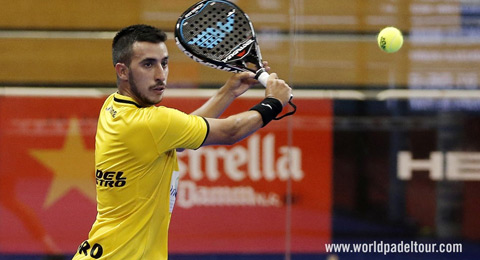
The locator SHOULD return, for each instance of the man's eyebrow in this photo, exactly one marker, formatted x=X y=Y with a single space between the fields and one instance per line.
x=154 y=59
x=151 y=60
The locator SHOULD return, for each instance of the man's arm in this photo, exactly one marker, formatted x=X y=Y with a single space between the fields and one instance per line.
x=234 y=87
x=233 y=128
x=236 y=127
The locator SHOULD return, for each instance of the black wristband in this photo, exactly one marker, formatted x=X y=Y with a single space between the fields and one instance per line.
x=269 y=108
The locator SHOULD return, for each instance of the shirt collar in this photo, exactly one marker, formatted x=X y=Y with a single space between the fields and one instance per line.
x=117 y=97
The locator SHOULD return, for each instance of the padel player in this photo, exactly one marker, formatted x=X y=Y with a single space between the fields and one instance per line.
x=136 y=141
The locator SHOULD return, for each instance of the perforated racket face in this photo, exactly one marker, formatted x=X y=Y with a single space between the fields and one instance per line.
x=214 y=29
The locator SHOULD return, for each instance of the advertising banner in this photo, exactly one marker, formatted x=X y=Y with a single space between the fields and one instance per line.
x=266 y=194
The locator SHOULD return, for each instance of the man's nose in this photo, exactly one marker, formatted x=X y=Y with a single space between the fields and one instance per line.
x=160 y=74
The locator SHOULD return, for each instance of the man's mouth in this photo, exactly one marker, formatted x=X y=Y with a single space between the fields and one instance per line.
x=160 y=88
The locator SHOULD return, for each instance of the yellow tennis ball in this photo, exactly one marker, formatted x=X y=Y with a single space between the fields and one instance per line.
x=390 y=39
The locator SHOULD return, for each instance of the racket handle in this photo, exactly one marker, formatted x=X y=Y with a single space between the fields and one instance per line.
x=262 y=77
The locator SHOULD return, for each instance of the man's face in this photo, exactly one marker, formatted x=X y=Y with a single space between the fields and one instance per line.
x=148 y=72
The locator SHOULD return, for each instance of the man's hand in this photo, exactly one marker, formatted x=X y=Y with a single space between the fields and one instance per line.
x=239 y=83
x=277 y=88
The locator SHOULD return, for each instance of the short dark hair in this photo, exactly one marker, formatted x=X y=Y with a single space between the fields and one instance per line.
x=126 y=37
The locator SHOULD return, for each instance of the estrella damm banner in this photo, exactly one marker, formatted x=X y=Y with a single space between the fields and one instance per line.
x=230 y=199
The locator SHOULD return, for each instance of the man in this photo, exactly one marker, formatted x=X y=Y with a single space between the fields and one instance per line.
x=136 y=142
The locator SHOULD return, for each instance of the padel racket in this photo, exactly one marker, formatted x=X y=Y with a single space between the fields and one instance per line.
x=218 y=34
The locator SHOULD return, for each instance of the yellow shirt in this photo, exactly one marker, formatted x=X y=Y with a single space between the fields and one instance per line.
x=137 y=178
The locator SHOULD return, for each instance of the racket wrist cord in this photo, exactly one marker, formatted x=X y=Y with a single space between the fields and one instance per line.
x=288 y=113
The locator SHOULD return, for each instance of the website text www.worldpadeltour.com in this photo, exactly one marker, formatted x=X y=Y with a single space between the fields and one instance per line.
x=385 y=248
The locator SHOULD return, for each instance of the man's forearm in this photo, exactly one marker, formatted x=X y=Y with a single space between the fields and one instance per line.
x=215 y=106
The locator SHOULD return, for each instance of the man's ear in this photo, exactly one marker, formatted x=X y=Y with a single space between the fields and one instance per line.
x=122 y=71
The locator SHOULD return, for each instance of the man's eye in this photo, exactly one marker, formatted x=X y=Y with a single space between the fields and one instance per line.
x=147 y=65
x=165 y=64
